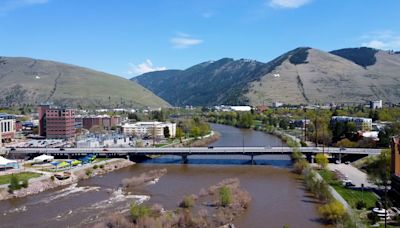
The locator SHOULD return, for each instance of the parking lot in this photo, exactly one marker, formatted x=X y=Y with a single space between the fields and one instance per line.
x=356 y=176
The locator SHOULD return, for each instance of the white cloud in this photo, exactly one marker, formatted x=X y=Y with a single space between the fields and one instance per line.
x=287 y=3
x=145 y=67
x=10 y=5
x=183 y=40
x=385 y=40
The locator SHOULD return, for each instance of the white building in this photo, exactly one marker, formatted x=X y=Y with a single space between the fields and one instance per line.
x=229 y=108
x=375 y=104
x=277 y=104
x=363 y=124
x=149 y=128
x=241 y=108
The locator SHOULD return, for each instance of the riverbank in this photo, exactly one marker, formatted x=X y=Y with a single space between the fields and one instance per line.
x=47 y=180
x=206 y=140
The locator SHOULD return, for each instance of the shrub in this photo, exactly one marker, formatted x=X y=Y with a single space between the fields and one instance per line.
x=299 y=166
x=360 y=205
x=139 y=211
x=95 y=167
x=225 y=196
x=187 y=202
x=25 y=184
x=332 y=212
x=52 y=178
x=88 y=172
x=322 y=160
x=14 y=183
x=373 y=218
x=101 y=166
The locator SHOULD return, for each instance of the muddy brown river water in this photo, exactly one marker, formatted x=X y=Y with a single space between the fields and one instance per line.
x=278 y=198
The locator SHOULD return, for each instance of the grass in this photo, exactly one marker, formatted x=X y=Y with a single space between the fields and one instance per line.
x=5 y=179
x=352 y=196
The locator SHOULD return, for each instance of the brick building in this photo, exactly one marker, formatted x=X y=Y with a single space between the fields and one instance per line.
x=395 y=168
x=7 y=127
x=105 y=121
x=56 y=123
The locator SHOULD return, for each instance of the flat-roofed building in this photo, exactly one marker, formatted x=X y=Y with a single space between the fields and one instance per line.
x=395 y=168
x=7 y=127
x=56 y=123
x=105 y=121
x=362 y=124
x=153 y=128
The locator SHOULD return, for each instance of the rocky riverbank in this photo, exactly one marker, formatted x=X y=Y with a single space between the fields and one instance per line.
x=77 y=174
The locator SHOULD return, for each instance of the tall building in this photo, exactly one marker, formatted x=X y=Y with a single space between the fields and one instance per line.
x=395 y=168
x=42 y=119
x=7 y=127
x=56 y=123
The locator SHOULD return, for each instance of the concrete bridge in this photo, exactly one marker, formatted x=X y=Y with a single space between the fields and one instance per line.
x=184 y=152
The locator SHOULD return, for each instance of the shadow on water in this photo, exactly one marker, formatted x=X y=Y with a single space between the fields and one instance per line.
x=280 y=161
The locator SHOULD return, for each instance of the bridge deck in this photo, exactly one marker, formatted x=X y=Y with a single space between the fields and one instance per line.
x=195 y=150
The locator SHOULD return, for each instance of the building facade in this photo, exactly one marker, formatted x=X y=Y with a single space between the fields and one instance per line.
x=7 y=127
x=105 y=121
x=56 y=123
x=395 y=168
x=375 y=104
x=362 y=124
x=149 y=129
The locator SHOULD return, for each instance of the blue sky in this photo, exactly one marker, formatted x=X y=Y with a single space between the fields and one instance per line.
x=127 y=37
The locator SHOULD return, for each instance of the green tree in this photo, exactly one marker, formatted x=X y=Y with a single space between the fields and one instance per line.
x=379 y=170
x=166 y=132
x=245 y=120
x=195 y=132
x=179 y=133
x=322 y=160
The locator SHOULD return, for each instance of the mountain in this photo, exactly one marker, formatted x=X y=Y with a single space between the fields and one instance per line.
x=207 y=83
x=26 y=81
x=300 y=76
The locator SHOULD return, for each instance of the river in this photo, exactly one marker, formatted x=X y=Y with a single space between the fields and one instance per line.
x=278 y=198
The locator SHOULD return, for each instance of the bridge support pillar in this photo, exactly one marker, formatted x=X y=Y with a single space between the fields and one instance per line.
x=185 y=159
x=252 y=159
x=309 y=157
x=340 y=158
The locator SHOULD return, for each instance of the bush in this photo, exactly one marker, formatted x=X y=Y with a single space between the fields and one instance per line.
x=88 y=172
x=373 y=218
x=101 y=166
x=225 y=196
x=25 y=184
x=139 y=211
x=299 y=166
x=360 y=205
x=187 y=202
x=322 y=160
x=95 y=167
x=332 y=212
x=52 y=178
x=14 y=183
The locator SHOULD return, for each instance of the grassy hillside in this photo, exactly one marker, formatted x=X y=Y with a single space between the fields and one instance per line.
x=303 y=75
x=26 y=81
